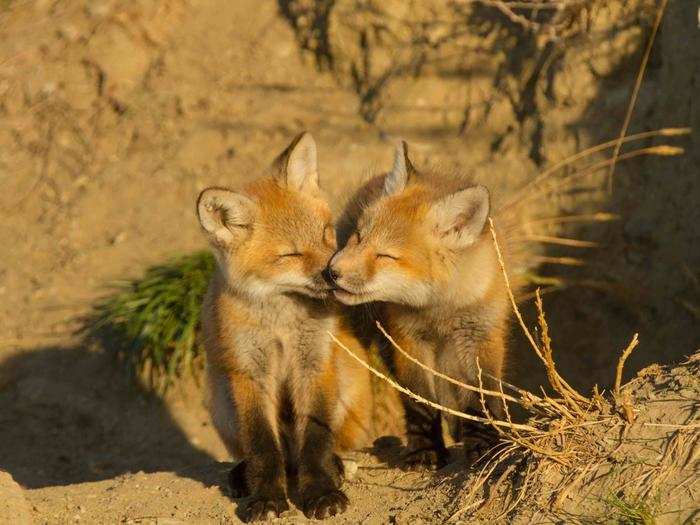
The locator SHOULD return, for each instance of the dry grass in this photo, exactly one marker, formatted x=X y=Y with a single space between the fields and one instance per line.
x=557 y=435
x=564 y=445
x=635 y=91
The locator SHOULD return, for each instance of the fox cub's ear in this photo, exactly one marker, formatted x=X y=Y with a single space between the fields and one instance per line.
x=224 y=215
x=401 y=172
x=298 y=165
x=460 y=217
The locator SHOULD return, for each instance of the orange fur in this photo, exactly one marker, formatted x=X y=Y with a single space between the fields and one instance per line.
x=281 y=396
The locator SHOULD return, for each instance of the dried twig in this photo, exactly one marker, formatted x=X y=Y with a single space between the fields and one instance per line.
x=663 y=132
x=563 y=261
x=662 y=150
x=549 y=365
x=425 y=401
x=558 y=382
x=562 y=219
x=635 y=91
x=621 y=362
x=561 y=241
x=447 y=378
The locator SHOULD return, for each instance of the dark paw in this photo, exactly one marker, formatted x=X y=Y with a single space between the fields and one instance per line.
x=475 y=449
x=325 y=505
x=237 y=482
x=264 y=507
x=424 y=458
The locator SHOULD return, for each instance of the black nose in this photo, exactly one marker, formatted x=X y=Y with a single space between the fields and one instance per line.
x=330 y=275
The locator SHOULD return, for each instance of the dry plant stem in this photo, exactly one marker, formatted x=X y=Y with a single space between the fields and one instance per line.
x=516 y=310
x=425 y=401
x=529 y=400
x=663 y=132
x=564 y=261
x=527 y=333
x=505 y=406
x=515 y=437
x=482 y=400
x=562 y=386
x=447 y=378
x=635 y=91
x=481 y=479
x=662 y=150
x=621 y=362
x=518 y=315
x=592 y=217
x=528 y=396
x=561 y=241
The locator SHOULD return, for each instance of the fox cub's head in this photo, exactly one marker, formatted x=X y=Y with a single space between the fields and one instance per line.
x=413 y=244
x=275 y=236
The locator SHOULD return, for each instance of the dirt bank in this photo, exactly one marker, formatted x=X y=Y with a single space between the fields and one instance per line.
x=114 y=114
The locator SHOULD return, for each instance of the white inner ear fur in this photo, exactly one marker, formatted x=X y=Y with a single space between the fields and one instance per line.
x=395 y=181
x=223 y=213
x=460 y=217
x=302 y=165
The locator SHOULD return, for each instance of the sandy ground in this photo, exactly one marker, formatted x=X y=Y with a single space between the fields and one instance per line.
x=113 y=115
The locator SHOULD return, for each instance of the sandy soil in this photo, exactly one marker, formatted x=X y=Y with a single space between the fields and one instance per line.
x=113 y=115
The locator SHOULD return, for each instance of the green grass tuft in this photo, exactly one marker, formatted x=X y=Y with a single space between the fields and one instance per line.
x=625 y=512
x=151 y=323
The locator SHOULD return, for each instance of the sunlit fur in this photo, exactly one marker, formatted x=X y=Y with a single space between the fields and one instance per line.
x=420 y=270
x=284 y=222
x=443 y=302
x=283 y=397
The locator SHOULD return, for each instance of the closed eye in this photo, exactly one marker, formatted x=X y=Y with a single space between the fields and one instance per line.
x=387 y=256
x=290 y=254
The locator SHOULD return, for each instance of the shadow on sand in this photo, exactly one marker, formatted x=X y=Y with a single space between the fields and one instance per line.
x=68 y=415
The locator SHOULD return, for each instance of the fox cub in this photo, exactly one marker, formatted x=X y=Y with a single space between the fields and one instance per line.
x=283 y=398
x=415 y=246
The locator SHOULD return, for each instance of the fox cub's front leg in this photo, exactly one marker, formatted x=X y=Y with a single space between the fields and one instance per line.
x=263 y=469
x=320 y=469
x=425 y=443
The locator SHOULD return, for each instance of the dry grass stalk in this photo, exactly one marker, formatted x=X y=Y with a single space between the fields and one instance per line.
x=623 y=400
x=557 y=382
x=563 y=261
x=663 y=132
x=562 y=219
x=562 y=386
x=513 y=303
x=561 y=241
x=662 y=150
x=481 y=478
x=621 y=362
x=425 y=401
x=635 y=91
x=515 y=437
x=447 y=378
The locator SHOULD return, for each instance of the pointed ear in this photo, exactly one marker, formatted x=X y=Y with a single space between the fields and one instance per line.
x=460 y=217
x=401 y=172
x=298 y=164
x=224 y=215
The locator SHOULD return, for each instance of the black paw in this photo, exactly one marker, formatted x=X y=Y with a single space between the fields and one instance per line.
x=475 y=449
x=265 y=507
x=237 y=482
x=424 y=458
x=325 y=504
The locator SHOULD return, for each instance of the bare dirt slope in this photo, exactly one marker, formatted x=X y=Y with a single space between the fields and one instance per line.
x=114 y=114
